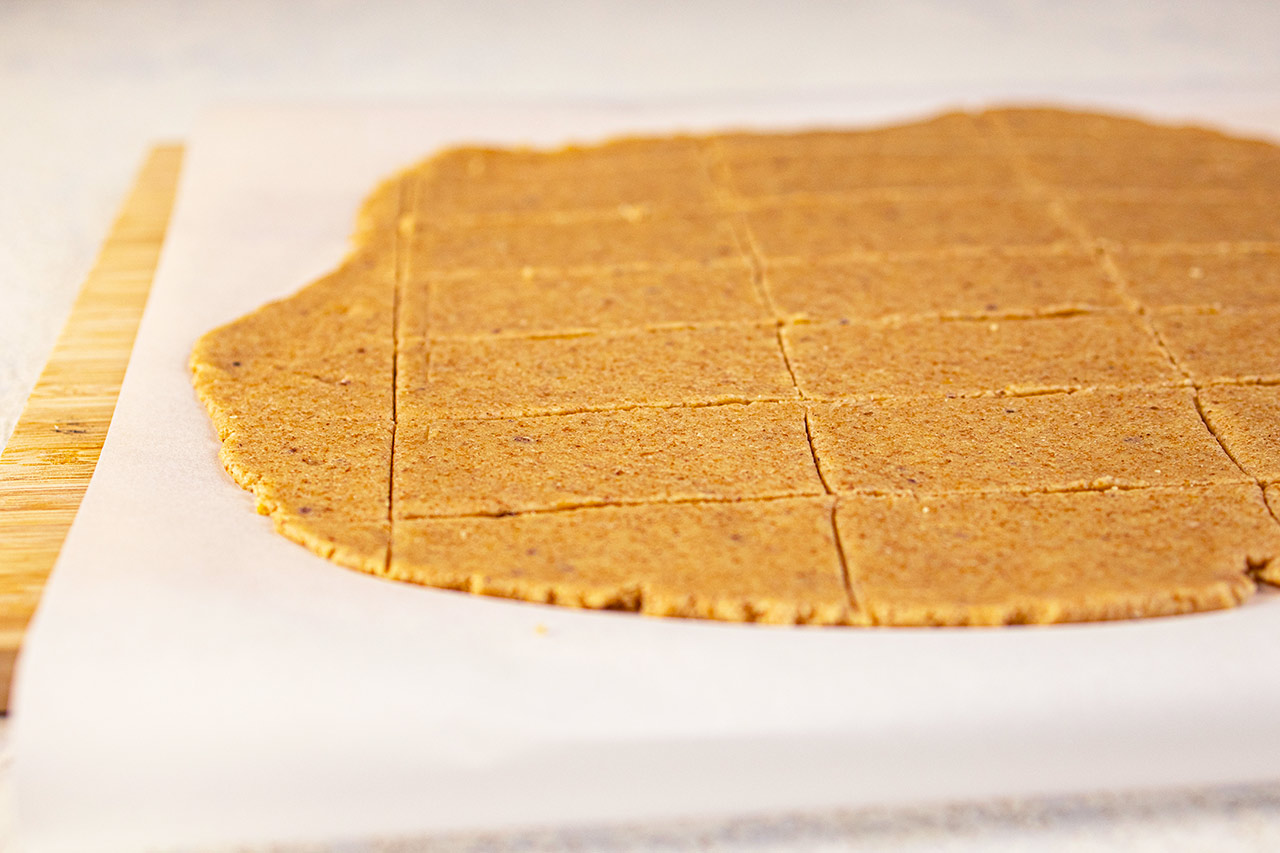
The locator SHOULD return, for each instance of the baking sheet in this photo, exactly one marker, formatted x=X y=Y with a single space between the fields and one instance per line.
x=191 y=678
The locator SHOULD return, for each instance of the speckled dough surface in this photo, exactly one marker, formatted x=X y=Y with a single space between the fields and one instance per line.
x=1010 y=367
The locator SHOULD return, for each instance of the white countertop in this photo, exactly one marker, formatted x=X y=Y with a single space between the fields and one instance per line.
x=85 y=88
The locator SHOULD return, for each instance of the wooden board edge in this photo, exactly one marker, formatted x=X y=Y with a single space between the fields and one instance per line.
x=51 y=455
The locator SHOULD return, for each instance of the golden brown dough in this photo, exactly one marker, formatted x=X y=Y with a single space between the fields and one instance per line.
x=1047 y=442
x=1016 y=366
x=1065 y=557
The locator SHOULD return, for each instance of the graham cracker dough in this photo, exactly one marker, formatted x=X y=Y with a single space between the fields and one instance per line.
x=1047 y=442
x=522 y=303
x=497 y=467
x=957 y=285
x=767 y=561
x=513 y=377
x=819 y=227
x=1225 y=346
x=1246 y=419
x=1215 y=279
x=1008 y=367
x=987 y=356
x=1007 y=558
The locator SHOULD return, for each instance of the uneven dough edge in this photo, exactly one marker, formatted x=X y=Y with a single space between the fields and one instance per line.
x=633 y=598
x=362 y=544
x=1036 y=611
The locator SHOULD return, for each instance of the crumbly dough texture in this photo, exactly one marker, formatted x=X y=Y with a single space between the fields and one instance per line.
x=1018 y=366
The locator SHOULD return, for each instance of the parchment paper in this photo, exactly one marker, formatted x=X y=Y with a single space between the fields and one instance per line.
x=193 y=678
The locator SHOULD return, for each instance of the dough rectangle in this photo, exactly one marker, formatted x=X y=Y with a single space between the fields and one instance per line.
x=1085 y=440
x=939 y=357
x=546 y=302
x=1180 y=217
x=999 y=558
x=766 y=561
x=1224 y=347
x=958 y=285
x=816 y=229
x=780 y=176
x=653 y=240
x=1204 y=279
x=521 y=376
x=516 y=465
x=1246 y=418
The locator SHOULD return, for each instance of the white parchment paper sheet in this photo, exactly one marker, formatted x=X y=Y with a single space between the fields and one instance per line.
x=192 y=678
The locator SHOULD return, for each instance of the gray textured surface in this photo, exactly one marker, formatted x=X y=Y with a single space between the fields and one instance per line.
x=86 y=87
x=1222 y=820
x=1185 y=822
